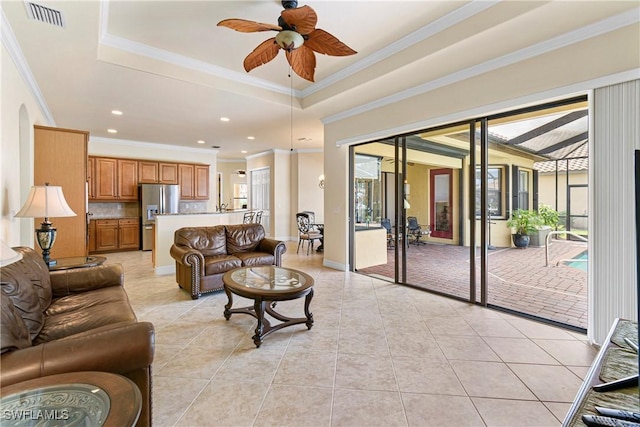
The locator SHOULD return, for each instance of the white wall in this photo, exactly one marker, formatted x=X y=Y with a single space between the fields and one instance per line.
x=19 y=111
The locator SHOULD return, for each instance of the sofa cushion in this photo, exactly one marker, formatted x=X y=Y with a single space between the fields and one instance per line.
x=33 y=266
x=15 y=334
x=244 y=237
x=73 y=314
x=23 y=296
x=207 y=240
x=256 y=258
x=220 y=264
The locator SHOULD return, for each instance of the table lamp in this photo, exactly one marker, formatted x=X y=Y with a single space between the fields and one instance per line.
x=45 y=201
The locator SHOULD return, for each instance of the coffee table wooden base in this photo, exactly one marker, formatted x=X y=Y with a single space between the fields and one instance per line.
x=262 y=306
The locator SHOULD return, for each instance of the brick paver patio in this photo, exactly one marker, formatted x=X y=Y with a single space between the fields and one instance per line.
x=518 y=278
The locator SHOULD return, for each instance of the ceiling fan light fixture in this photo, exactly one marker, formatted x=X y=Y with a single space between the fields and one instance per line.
x=289 y=40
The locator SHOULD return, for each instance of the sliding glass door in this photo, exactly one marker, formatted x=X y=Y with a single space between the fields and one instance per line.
x=438 y=210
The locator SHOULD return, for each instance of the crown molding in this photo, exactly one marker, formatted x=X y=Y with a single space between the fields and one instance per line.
x=433 y=28
x=441 y=24
x=239 y=160
x=13 y=48
x=162 y=55
x=596 y=29
x=151 y=145
x=576 y=89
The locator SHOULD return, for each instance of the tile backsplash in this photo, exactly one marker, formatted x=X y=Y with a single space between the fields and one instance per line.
x=114 y=210
x=131 y=209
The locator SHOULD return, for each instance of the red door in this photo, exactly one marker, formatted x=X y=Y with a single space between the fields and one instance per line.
x=441 y=203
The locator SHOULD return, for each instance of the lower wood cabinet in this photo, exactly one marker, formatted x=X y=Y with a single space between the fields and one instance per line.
x=112 y=235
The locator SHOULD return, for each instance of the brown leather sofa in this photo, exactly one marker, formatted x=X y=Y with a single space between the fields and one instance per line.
x=71 y=320
x=204 y=254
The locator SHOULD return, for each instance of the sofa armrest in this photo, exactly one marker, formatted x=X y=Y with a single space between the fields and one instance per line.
x=78 y=280
x=275 y=247
x=188 y=257
x=119 y=348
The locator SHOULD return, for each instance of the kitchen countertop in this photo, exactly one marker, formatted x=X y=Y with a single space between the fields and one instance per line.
x=205 y=213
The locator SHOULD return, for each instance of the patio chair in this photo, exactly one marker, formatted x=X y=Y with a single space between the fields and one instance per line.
x=306 y=232
x=391 y=237
x=416 y=231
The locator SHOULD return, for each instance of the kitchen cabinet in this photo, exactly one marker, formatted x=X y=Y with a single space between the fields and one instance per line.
x=60 y=158
x=115 y=179
x=129 y=234
x=117 y=234
x=167 y=173
x=91 y=184
x=106 y=235
x=201 y=182
x=194 y=181
x=150 y=172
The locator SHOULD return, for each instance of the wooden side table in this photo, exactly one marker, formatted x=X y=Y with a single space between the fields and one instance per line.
x=74 y=398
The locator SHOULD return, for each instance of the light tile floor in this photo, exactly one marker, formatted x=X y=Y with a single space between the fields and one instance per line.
x=378 y=355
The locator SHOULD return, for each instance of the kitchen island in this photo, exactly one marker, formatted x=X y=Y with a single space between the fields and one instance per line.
x=167 y=224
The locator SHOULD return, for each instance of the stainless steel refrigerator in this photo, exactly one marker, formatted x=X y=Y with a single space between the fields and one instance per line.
x=156 y=199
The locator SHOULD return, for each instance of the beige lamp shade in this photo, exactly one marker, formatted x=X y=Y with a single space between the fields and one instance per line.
x=8 y=255
x=45 y=201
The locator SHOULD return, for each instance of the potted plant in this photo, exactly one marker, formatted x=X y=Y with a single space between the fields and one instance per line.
x=549 y=220
x=523 y=222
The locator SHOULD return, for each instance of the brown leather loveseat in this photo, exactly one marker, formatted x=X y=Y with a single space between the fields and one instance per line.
x=204 y=254
x=71 y=320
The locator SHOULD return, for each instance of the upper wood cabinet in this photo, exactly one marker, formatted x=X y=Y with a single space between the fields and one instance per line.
x=157 y=172
x=185 y=179
x=167 y=173
x=194 y=181
x=201 y=182
x=147 y=172
x=91 y=184
x=115 y=179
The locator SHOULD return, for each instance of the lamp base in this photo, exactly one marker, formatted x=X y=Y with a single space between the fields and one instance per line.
x=50 y=262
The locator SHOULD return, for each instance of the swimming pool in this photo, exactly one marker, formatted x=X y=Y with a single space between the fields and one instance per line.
x=580 y=261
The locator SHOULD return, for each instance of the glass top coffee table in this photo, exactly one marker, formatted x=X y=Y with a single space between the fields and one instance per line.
x=266 y=285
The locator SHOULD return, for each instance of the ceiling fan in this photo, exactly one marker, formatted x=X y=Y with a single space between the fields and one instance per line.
x=297 y=36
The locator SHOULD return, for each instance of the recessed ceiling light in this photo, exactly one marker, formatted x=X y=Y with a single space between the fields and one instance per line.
x=224 y=119
x=251 y=137
x=200 y=141
x=112 y=131
x=243 y=151
x=116 y=112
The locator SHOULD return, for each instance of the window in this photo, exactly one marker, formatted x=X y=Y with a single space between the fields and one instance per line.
x=494 y=186
x=523 y=189
x=368 y=188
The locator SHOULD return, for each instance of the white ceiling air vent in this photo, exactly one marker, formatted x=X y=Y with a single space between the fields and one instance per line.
x=45 y=14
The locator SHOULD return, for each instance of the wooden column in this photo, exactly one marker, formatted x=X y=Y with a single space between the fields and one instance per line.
x=60 y=158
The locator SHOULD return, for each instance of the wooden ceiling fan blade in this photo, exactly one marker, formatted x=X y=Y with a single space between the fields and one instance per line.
x=303 y=62
x=265 y=52
x=245 y=26
x=323 y=42
x=302 y=19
